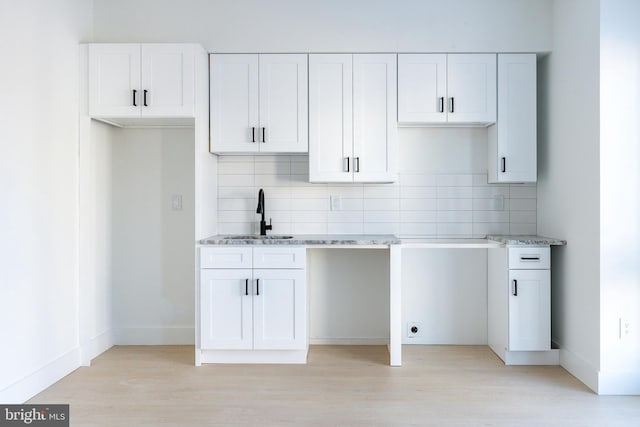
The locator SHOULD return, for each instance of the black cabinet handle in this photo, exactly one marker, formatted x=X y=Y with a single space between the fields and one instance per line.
x=134 y=98
x=257 y=286
x=246 y=287
x=356 y=165
x=451 y=105
x=263 y=137
x=253 y=134
x=530 y=258
x=442 y=104
x=347 y=160
x=515 y=288
x=144 y=97
x=503 y=162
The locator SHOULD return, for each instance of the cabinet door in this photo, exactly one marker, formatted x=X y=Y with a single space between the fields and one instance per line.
x=529 y=310
x=280 y=310
x=226 y=309
x=234 y=103
x=283 y=84
x=471 y=88
x=114 y=80
x=168 y=77
x=330 y=118
x=422 y=88
x=515 y=131
x=374 y=117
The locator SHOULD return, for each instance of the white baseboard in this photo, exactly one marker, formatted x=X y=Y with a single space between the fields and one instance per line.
x=619 y=383
x=100 y=343
x=349 y=341
x=43 y=377
x=155 y=336
x=579 y=368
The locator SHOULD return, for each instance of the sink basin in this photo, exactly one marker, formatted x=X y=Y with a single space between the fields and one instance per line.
x=257 y=237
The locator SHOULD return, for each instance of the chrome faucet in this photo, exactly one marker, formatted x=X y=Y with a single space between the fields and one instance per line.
x=263 y=225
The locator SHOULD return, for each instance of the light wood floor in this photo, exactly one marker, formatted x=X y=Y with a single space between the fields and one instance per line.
x=340 y=386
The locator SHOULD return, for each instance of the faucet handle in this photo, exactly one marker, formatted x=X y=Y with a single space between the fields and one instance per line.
x=269 y=227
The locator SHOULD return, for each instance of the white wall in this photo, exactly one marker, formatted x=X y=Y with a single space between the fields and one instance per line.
x=331 y=25
x=39 y=191
x=620 y=196
x=153 y=244
x=568 y=181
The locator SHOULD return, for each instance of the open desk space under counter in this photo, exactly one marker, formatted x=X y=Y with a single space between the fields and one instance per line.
x=255 y=295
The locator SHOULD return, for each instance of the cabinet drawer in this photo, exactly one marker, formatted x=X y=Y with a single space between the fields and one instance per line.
x=529 y=258
x=279 y=257
x=226 y=257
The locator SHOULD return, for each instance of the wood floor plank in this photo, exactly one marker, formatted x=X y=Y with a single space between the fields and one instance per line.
x=340 y=386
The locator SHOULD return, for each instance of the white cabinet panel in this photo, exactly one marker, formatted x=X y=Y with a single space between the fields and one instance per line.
x=226 y=257
x=530 y=310
x=471 y=88
x=114 y=80
x=168 y=80
x=422 y=88
x=330 y=118
x=234 y=103
x=259 y=103
x=447 y=89
x=279 y=321
x=374 y=118
x=513 y=139
x=283 y=103
x=283 y=256
x=226 y=309
x=141 y=80
x=353 y=130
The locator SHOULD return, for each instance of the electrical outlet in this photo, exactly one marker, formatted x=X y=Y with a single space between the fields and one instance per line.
x=498 y=202
x=624 y=328
x=176 y=202
x=414 y=329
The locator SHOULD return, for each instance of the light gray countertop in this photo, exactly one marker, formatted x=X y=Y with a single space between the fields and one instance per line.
x=527 y=240
x=381 y=240
x=307 y=239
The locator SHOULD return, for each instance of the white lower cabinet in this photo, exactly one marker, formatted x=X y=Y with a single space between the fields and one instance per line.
x=253 y=315
x=519 y=305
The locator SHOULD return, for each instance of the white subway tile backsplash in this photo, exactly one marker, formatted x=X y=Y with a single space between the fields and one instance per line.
x=419 y=204
x=381 y=191
x=454 y=216
x=344 y=216
x=381 y=204
x=418 y=216
x=235 y=168
x=454 y=180
x=418 y=192
x=381 y=228
x=454 y=192
x=310 y=204
x=345 y=228
x=239 y=180
x=455 y=204
x=381 y=216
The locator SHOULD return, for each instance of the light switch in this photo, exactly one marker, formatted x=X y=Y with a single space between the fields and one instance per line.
x=336 y=203
x=176 y=202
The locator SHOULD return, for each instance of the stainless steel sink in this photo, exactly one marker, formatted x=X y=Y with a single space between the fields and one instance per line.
x=257 y=237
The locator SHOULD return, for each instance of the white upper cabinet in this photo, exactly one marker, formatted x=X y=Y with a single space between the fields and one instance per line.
x=259 y=103
x=352 y=113
x=513 y=139
x=148 y=80
x=451 y=89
